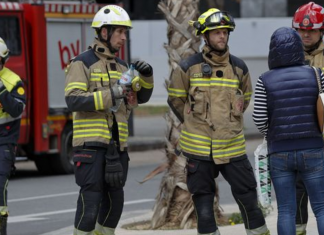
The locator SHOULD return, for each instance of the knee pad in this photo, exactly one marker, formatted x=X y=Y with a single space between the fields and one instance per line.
x=111 y=208
x=204 y=205
x=87 y=211
x=251 y=213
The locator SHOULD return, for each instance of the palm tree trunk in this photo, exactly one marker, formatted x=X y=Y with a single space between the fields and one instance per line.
x=173 y=202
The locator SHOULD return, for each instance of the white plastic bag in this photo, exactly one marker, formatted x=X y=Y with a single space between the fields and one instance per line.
x=262 y=175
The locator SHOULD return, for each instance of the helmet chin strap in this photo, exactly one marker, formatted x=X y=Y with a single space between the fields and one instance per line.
x=110 y=30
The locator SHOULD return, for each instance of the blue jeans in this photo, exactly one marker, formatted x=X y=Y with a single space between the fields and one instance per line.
x=284 y=167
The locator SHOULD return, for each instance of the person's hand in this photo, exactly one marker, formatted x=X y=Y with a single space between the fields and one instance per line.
x=113 y=169
x=143 y=68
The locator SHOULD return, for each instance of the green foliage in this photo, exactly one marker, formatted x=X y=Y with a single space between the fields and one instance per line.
x=235 y=218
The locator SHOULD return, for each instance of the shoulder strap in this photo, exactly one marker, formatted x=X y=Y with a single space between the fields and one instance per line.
x=318 y=80
x=235 y=72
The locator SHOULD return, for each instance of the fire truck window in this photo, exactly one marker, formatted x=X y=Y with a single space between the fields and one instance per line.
x=10 y=32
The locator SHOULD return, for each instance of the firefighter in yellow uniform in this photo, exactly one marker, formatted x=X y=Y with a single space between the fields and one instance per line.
x=209 y=93
x=100 y=135
x=309 y=23
x=12 y=104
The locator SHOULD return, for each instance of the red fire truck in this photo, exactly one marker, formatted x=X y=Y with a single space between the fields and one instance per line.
x=42 y=38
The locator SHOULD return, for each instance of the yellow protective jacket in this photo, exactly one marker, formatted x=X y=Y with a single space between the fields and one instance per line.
x=12 y=104
x=211 y=106
x=88 y=95
x=316 y=57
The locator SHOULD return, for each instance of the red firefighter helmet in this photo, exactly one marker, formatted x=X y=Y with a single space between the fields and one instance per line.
x=309 y=16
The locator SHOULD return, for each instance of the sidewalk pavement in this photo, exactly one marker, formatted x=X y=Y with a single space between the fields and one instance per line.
x=238 y=229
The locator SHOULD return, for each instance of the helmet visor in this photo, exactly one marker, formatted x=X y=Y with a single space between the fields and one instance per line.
x=220 y=19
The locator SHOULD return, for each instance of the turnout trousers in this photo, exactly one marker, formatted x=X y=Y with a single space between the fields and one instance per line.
x=239 y=174
x=7 y=166
x=99 y=206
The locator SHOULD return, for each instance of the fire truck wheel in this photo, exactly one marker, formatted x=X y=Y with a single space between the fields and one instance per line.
x=43 y=164
x=62 y=162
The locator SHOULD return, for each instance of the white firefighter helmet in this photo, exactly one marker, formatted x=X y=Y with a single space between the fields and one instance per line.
x=111 y=15
x=4 y=51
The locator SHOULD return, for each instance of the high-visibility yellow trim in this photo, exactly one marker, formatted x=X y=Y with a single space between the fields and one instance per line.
x=235 y=151
x=224 y=82
x=92 y=130
x=115 y=74
x=177 y=92
x=98 y=100
x=91 y=133
x=194 y=149
x=195 y=139
x=123 y=23
x=90 y=123
x=195 y=135
x=90 y=120
x=200 y=81
x=123 y=131
x=9 y=78
x=229 y=142
x=145 y=84
x=98 y=77
x=76 y=85
x=221 y=82
x=247 y=96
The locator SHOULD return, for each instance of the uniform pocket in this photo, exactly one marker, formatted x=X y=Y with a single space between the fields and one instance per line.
x=84 y=166
x=242 y=175
x=198 y=103
x=237 y=103
x=8 y=163
x=192 y=166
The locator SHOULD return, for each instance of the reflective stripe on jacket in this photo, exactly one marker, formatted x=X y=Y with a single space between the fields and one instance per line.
x=12 y=104
x=211 y=107
x=88 y=94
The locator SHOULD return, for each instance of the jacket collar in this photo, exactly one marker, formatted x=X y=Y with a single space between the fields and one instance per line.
x=318 y=50
x=212 y=58
x=102 y=50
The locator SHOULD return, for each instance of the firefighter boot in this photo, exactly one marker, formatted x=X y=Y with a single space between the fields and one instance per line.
x=263 y=230
x=3 y=224
x=300 y=229
x=215 y=233
x=101 y=230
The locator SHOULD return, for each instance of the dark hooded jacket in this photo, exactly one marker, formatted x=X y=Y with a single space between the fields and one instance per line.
x=292 y=90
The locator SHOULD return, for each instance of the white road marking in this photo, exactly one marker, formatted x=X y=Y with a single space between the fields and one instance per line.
x=40 y=216
x=42 y=197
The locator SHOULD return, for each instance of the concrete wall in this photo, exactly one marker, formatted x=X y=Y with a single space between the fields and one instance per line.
x=263 y=8
x=249 y=41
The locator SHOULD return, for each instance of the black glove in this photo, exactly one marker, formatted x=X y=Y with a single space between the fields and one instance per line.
x=143 y=68
x=113 y=169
